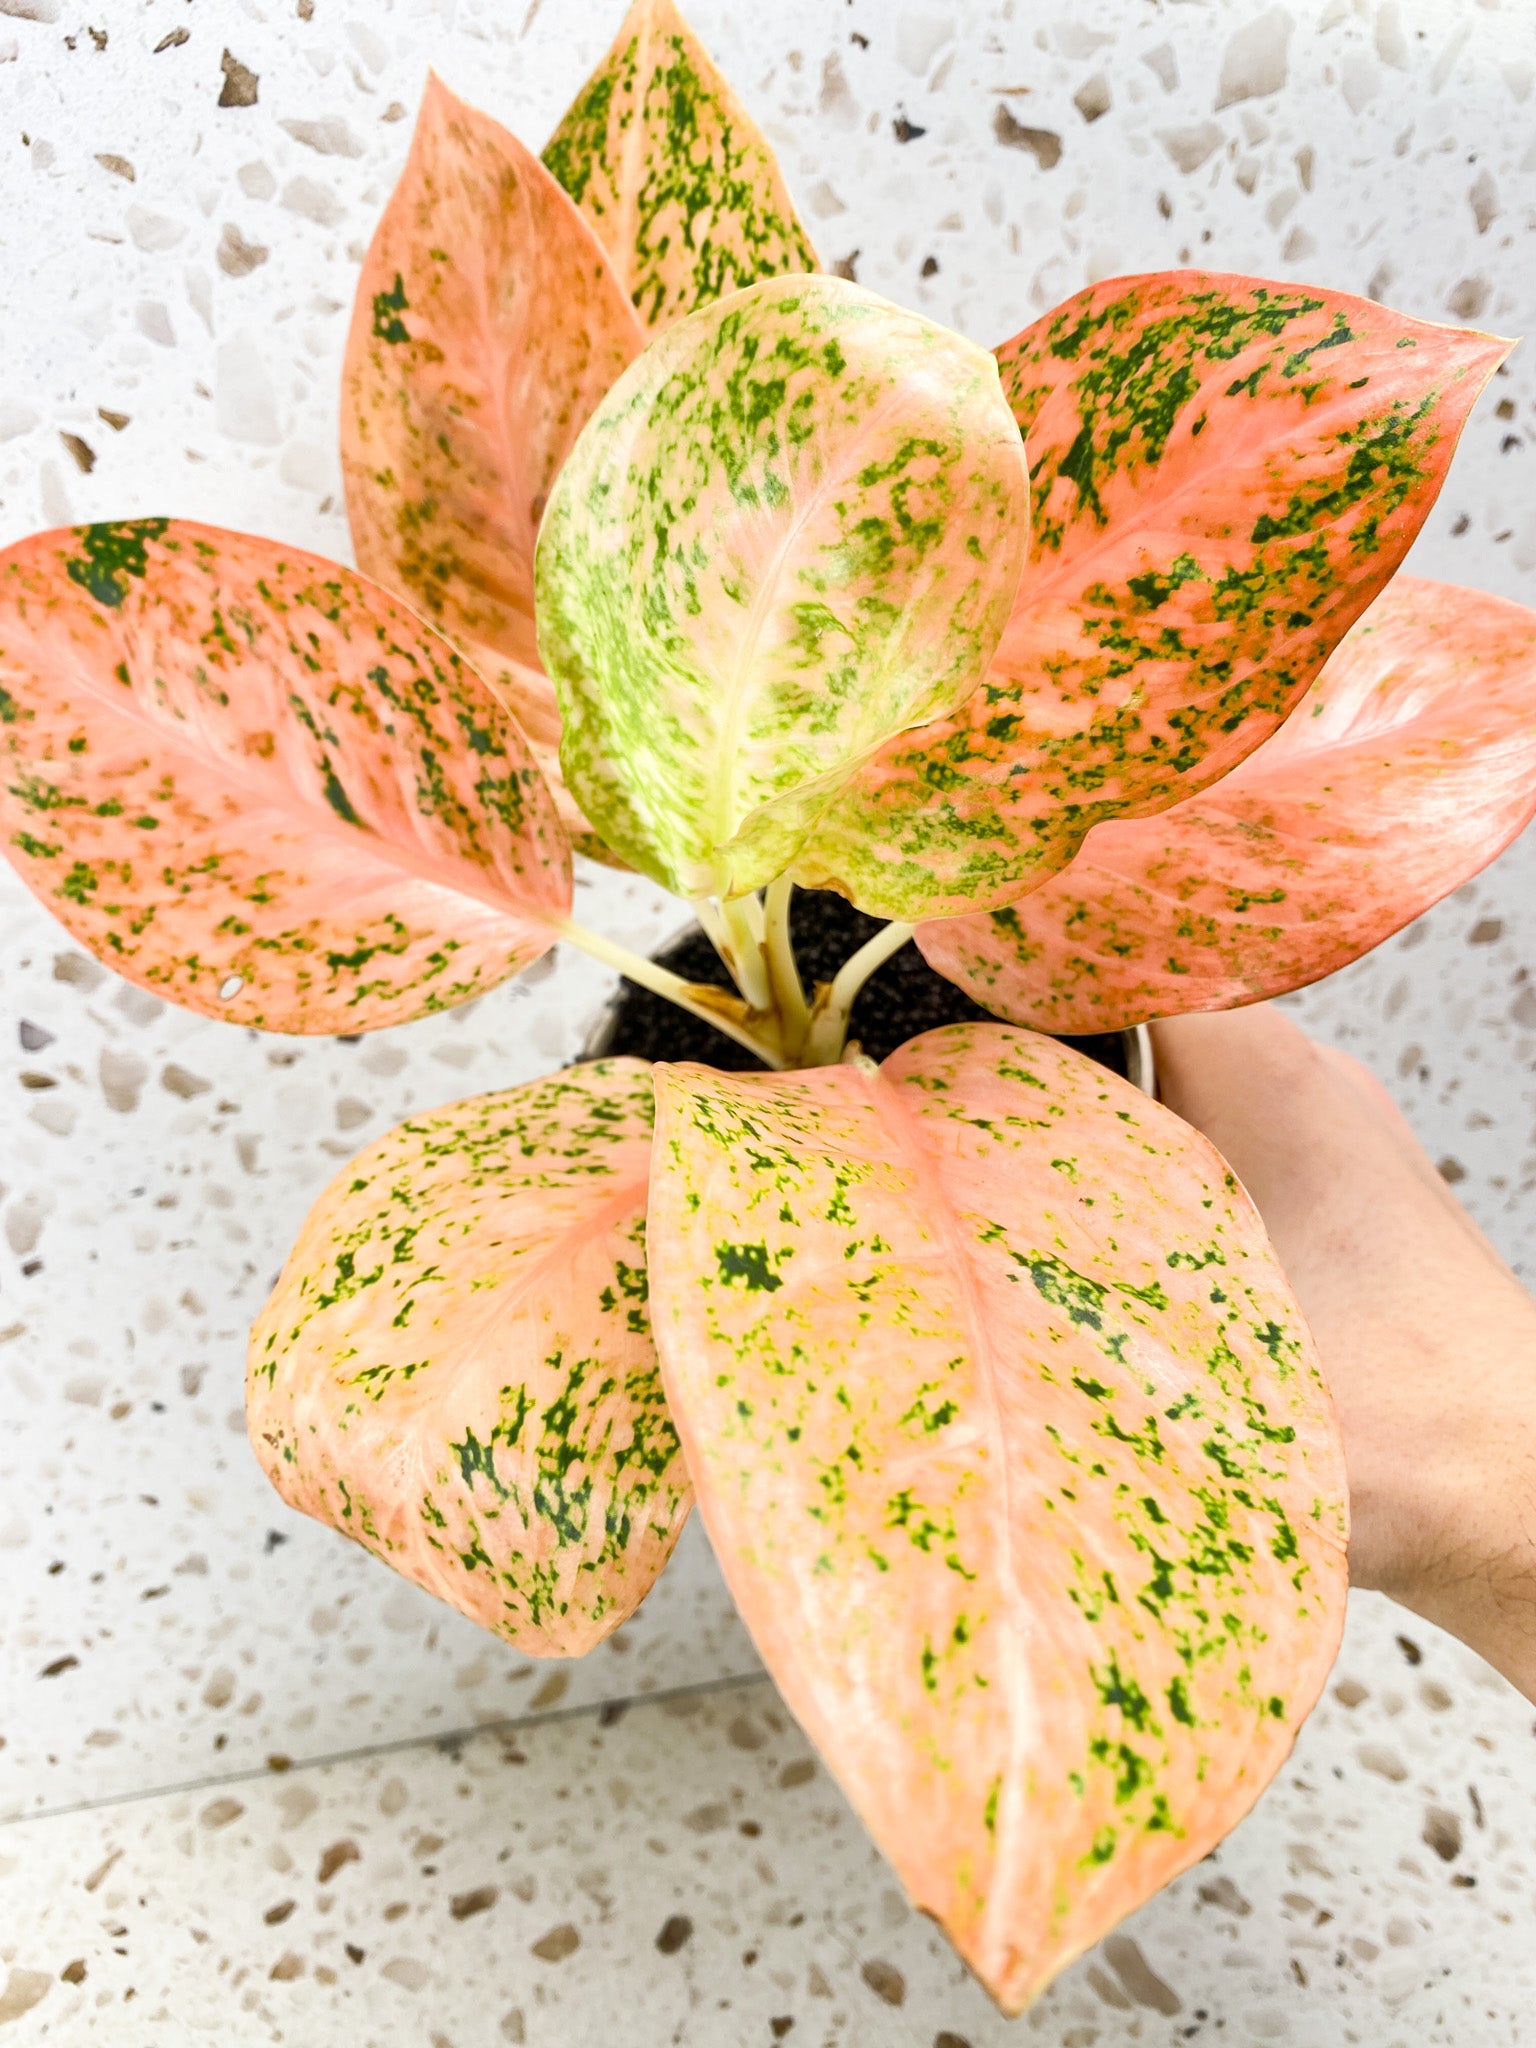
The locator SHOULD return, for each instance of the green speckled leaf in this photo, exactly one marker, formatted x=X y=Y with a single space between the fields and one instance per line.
x=675 y=177
x=1014 y=1450
x=487 y=325
x=456 y=1370
x=1409 y=765
x=794 y=526
x=252 y=781
x=1224 y=474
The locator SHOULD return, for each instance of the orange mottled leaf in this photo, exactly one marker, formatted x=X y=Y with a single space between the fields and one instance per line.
x=676 y=178
x=1224 y=474
x=252 y=781
x=455 y=1368
x=487 y=325
x=1409 y=765
x=1014 y=1450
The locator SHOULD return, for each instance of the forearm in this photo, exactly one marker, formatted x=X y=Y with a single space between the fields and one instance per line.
x=1428 y=1340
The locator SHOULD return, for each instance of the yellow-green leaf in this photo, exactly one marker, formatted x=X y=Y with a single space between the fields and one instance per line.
x=675 y=177
x=794 y=526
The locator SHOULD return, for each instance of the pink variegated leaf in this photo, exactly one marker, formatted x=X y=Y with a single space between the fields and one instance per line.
x=677 y=180
x=487 y=325
x=252 y=781
x=1224 y=474
x=455 y=1368
x=1408 y=767
x=1015 y=1452
x=793 y=527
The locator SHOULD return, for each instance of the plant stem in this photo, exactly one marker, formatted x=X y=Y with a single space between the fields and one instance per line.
x=834 y=1004
x=783 y=969
x=714 y=1005
x=707 y=911
x=743 y=952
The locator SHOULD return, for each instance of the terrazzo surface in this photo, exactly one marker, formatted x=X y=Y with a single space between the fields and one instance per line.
x=254 y=1787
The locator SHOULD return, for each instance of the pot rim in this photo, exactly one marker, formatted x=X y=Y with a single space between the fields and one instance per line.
x=1140 y=1062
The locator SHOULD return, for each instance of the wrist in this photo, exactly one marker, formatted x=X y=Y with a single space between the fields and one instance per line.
x=1450 y=1532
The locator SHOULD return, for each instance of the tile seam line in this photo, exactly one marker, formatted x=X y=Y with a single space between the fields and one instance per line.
x=396 y=1747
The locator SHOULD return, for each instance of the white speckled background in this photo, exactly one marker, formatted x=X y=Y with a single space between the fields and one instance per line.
x=256 y=1789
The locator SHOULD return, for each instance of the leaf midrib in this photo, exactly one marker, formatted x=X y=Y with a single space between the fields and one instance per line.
x=944 y=1219
x=317 y=819
x=719 y=808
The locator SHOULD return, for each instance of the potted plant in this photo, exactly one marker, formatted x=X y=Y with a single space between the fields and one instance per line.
x=1083 y=666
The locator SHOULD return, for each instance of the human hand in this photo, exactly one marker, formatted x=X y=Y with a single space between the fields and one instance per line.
x=1427 y=1338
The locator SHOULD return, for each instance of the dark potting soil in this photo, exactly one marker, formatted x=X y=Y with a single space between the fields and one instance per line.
x=903 y=998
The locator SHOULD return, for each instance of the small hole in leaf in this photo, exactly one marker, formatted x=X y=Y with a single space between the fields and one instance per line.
x=230 y=987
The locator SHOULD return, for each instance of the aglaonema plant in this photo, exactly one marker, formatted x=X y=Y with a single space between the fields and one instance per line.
x=1084 y=663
